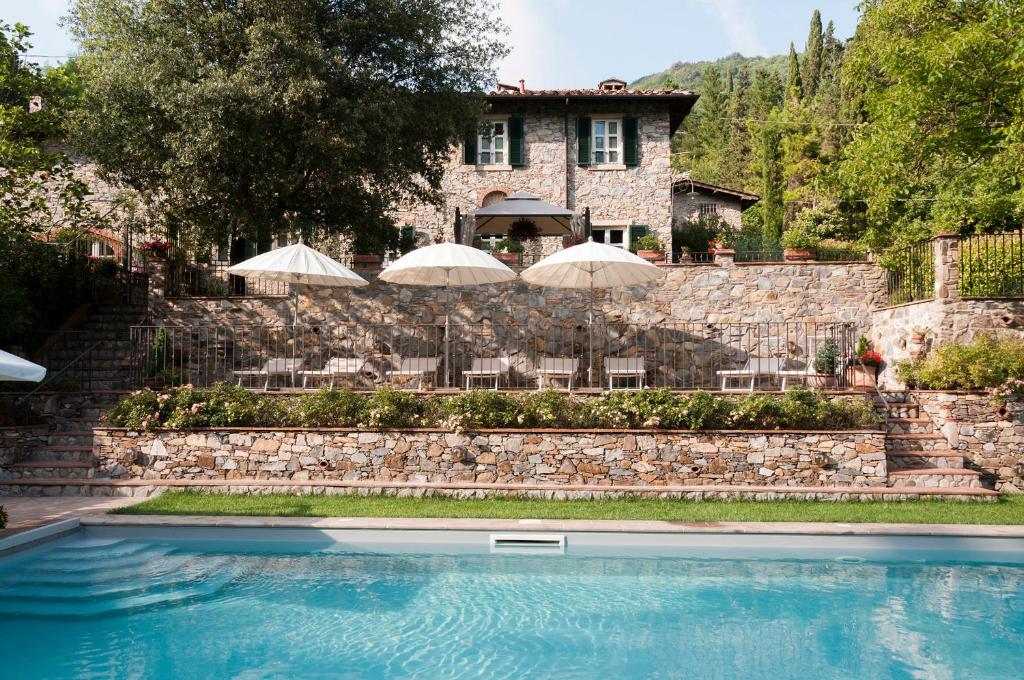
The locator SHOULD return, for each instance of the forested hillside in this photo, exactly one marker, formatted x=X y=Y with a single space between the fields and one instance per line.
x=913 y=126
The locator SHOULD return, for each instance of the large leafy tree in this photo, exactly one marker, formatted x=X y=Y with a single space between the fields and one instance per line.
x=262 y=117
x=40 y=196
x=940 y=86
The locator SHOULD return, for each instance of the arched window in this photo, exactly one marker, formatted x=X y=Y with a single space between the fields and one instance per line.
x=493 y=197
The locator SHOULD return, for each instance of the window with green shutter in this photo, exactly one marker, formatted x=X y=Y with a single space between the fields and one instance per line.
x=516 y=143
x=630 y=142
x=637 y=231
x=469 y=149
x=583 y=141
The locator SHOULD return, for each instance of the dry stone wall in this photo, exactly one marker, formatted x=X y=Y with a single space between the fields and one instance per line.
x=992 y=435
x=854 y=459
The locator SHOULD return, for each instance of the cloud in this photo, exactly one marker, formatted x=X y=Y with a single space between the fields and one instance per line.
x=740 y=26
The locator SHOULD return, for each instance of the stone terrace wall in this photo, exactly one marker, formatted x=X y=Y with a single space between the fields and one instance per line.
x=970 y=422
x=606 y=458
x=720 y=293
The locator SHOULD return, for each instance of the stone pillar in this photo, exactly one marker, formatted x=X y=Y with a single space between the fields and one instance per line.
x=156 y=269
x=725 y=258
x=947 y=267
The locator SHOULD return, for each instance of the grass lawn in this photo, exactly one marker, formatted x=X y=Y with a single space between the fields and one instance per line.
x=1006 y=510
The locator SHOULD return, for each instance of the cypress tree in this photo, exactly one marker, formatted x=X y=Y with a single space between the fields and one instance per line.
x=811 y=69
x=794 y=84
x=771 y=179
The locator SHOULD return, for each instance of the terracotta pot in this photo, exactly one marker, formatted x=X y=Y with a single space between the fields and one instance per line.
x=817 y=381
x=798 y=254
x=367 y=261
x=857 y=376
x=652 y=255
x=509 y=259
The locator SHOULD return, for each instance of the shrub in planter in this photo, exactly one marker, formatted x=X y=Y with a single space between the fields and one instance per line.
x=390 y=408
x=799 y=241
x=650 y=248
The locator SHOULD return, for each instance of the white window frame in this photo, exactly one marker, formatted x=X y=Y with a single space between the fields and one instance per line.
x=98 y=248
x=489 y=139
x=606 y=138
x=606 y=228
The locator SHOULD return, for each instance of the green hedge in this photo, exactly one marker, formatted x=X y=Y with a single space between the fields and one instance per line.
x=989 y=362
x=227 y=405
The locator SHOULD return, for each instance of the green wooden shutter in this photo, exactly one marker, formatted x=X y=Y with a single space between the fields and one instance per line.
x=637 y=231
x=630 y=142
x=469 y=149
x=583 y=141
x=516 y=143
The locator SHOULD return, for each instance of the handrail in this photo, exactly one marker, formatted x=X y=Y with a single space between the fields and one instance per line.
x=52 y=377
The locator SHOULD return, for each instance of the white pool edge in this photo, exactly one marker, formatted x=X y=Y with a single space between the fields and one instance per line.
x=31 y=537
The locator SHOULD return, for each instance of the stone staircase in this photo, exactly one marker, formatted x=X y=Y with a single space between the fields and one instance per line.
x=99 y=348
x=917 y=455
x=65 y=451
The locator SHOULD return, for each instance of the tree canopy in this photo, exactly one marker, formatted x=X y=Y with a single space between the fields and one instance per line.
x=273 y=116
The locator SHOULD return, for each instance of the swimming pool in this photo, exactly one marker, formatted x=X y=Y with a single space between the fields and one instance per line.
x=156 y=605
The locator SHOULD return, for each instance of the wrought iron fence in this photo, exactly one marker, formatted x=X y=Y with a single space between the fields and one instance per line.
x=911 y=273
x=72 y=360
x=821 y=254
x=676 y=355
x=992 y=265
x=190 y=278
x=692 y=257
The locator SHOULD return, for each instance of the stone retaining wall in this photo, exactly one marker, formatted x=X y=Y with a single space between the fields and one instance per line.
x=820 y=459
x=974 y=424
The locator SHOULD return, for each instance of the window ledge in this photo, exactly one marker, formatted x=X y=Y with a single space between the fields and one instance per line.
x=493 y=168
x=607 y=166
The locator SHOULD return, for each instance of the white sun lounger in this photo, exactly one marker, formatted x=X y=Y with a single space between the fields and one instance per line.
x=624 y=368
x=278 y=366
x=484 y=368
x=754 y=368
x=336 y=367
x=557 y=367
x=420 y=367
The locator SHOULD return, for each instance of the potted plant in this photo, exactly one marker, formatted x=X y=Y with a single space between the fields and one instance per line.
x=509 y=252
x=156 y=246
x=650 y=248
x=684 y=254
x=826 y=360
x=863 y=369
x=799 y=242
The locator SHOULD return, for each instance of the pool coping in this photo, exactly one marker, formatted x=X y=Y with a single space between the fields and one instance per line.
x=577 y=526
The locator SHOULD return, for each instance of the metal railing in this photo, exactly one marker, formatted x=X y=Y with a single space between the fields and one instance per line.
x=189 y=278
x=673 y=355
x=692 y=257
x=821 y=254
x=70 y=358
x=911 y=273
x=992 y=265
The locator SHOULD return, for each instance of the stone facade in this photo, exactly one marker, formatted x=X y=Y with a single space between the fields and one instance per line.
x=991 y=435
x=620 y=195
x=686 y=206
x=599 y=458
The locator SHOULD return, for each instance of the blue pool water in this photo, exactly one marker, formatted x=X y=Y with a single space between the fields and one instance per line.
x=134 y=609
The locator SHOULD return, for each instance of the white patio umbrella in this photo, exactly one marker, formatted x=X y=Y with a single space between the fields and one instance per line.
x=446 y=264
x=15 y=368
x=298 y=264
x=592 y=265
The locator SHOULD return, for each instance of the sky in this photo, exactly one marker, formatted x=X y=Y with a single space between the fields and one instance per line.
x=576 y=43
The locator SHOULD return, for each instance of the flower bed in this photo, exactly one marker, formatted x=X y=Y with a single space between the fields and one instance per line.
x=226 y=406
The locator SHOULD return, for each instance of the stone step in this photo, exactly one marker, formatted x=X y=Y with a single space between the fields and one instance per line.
x=143 y=488
x=946 y=478
x=913 y=460
x=903 y=411
x=904 y=425
x=915 y=442
x=49 y=469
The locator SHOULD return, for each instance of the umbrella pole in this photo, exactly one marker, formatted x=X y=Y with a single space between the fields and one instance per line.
x=590 y=334
x=447 y=312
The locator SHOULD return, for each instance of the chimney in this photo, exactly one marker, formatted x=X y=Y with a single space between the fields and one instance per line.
x=35 y=103
x=522 y=86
